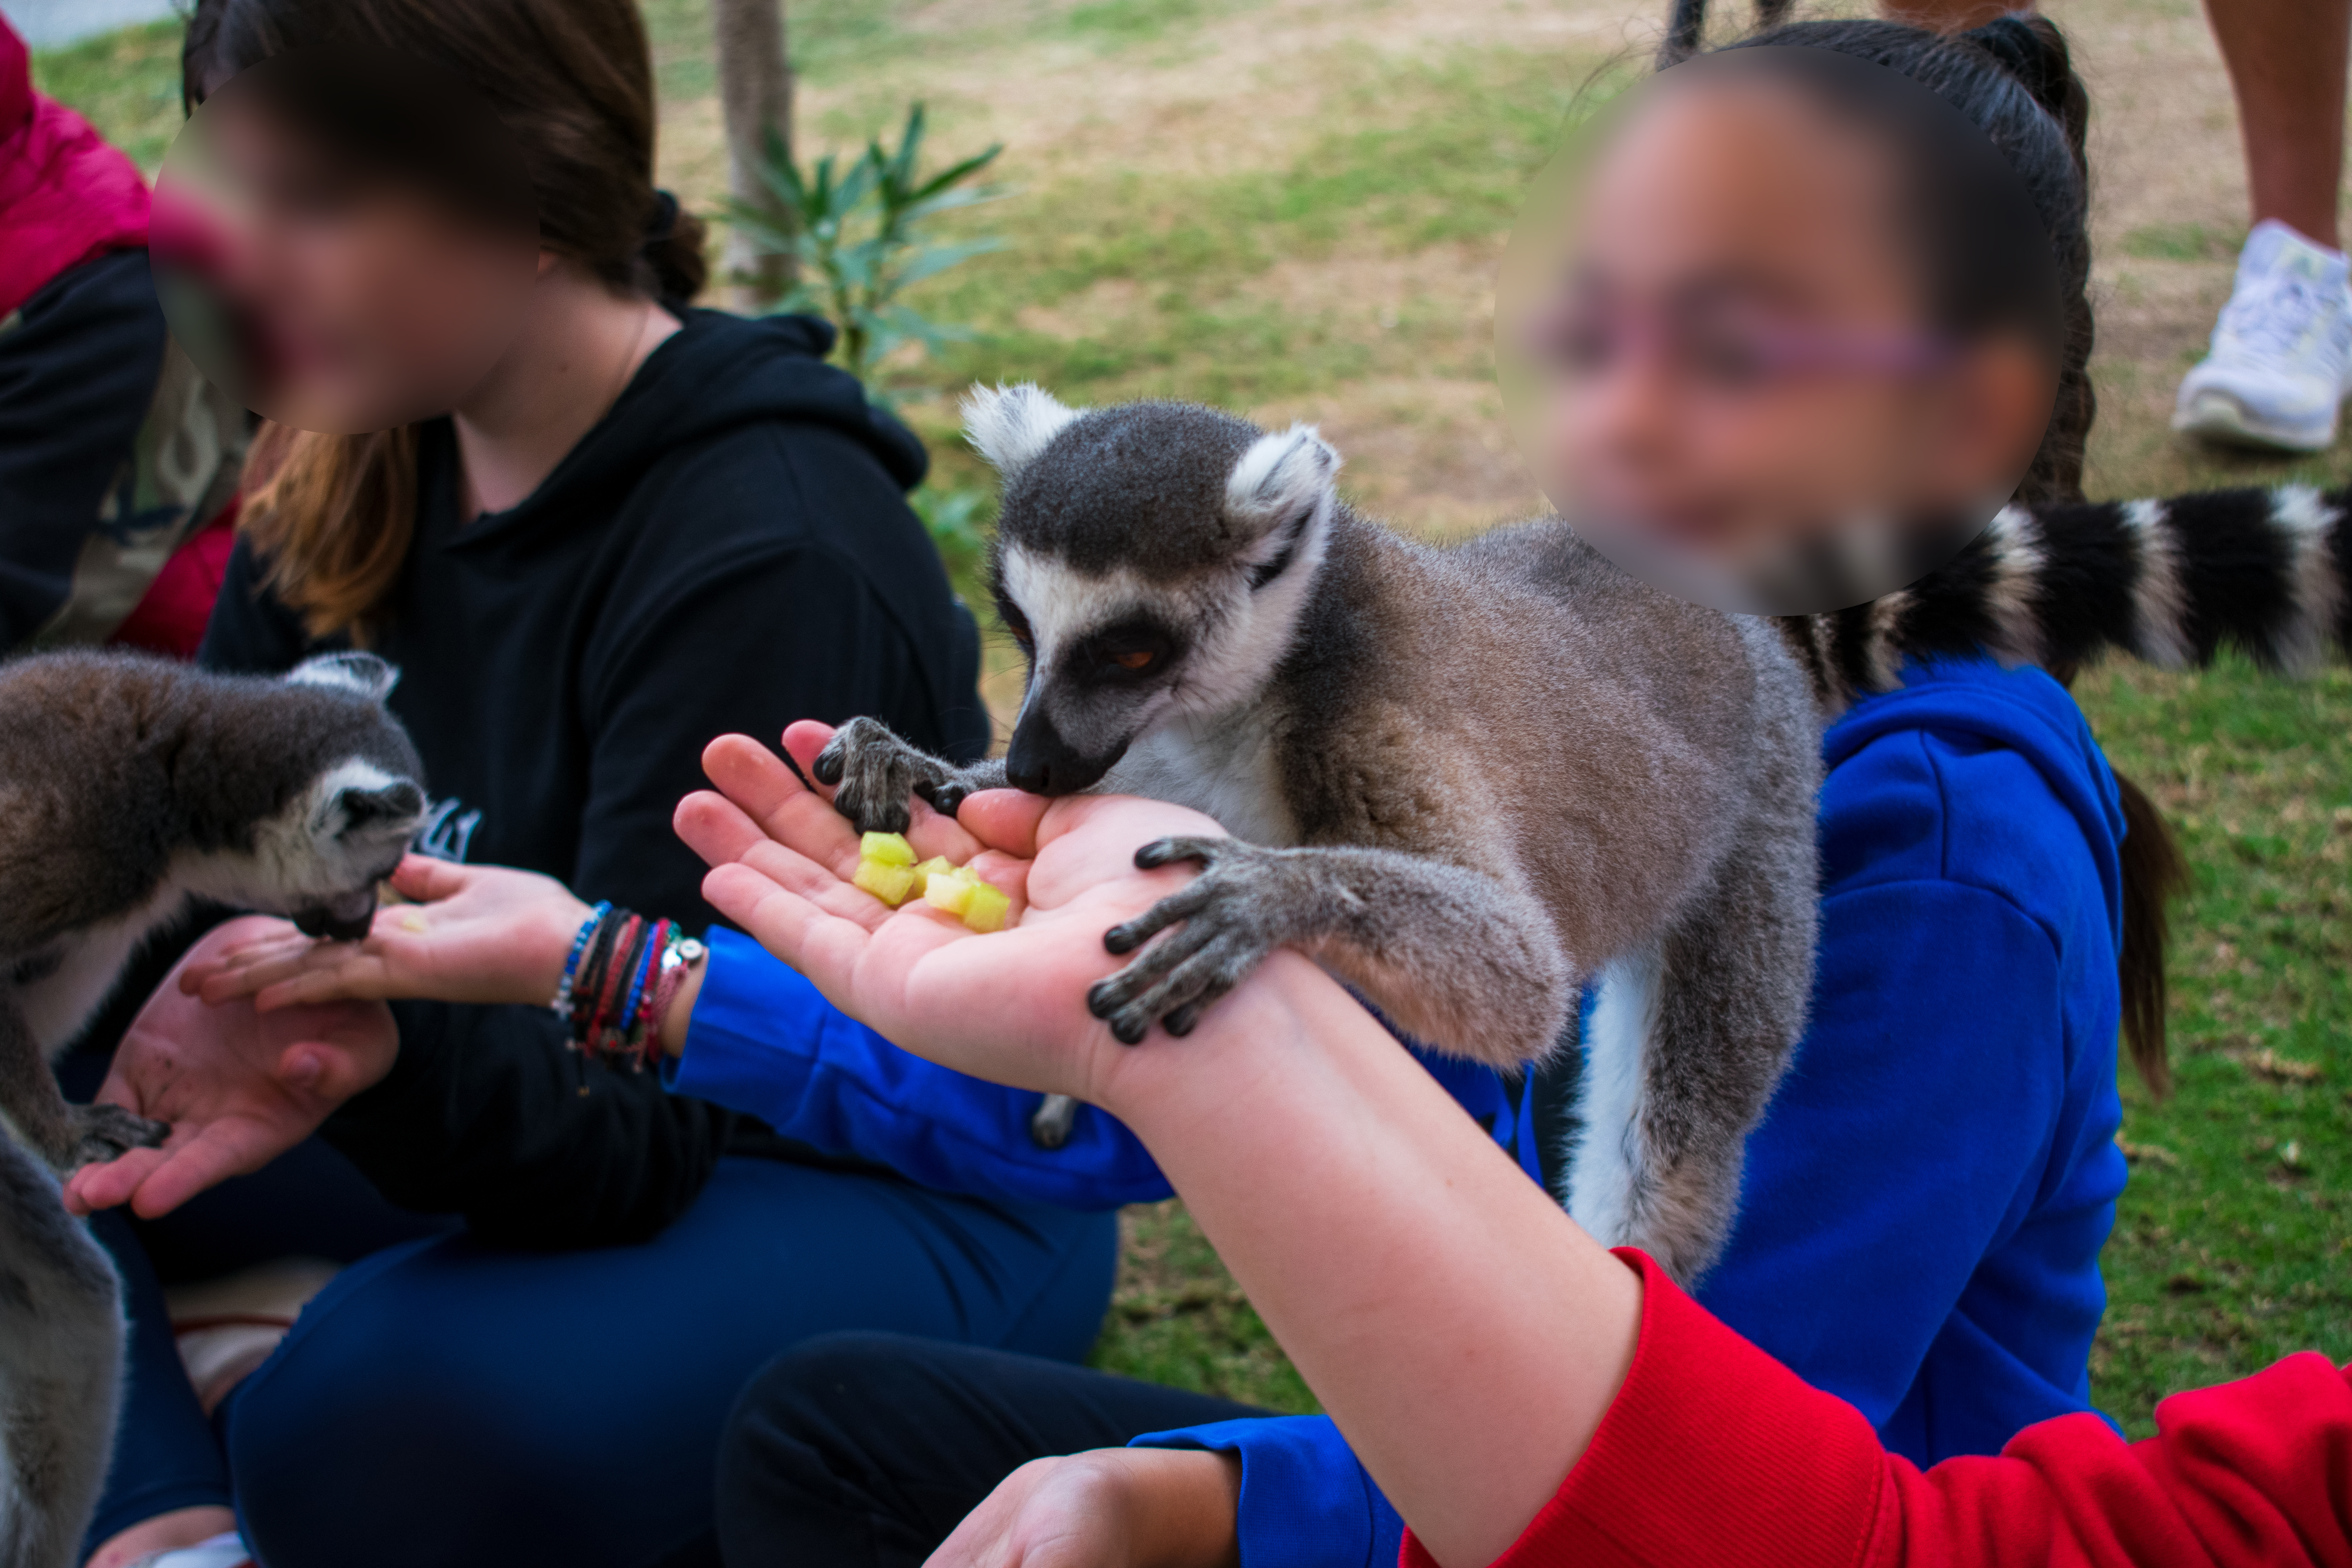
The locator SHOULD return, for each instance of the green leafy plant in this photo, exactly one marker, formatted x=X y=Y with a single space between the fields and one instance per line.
x=958 y=521
x=857 y=233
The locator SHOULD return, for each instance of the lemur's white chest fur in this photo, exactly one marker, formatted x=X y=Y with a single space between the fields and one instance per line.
x=1602 y=1175
x=57 y=1004
x=1227 y=770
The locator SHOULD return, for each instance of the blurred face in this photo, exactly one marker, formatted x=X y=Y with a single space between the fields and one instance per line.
x=1737 y=360
x=342 y=300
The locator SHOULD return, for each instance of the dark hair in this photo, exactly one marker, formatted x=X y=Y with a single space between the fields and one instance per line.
x=572 y=82
x=2014 y=79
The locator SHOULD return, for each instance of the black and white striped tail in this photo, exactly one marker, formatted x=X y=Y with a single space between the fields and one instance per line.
x=2170 y=582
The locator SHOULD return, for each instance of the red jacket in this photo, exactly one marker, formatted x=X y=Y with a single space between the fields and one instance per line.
x=65 y=195
x=1714 y=1453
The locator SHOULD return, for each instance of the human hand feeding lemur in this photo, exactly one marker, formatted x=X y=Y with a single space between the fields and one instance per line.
x=1008 y=1006
x=468 y=933
x=238 y=1087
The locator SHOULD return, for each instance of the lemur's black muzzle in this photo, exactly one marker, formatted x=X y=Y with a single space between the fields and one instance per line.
x=1042 y=762
x=345 y=919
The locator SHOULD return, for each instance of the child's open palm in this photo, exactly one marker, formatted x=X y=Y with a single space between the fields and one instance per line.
x=1009 y=1007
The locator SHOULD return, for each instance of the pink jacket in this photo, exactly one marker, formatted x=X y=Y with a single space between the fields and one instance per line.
x=65 y=195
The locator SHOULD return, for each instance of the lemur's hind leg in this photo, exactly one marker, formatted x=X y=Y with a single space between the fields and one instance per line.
x=1453 y=957
x=65 y=1135
x=1685 y=1044
x=61 y=1368
x=877 y=772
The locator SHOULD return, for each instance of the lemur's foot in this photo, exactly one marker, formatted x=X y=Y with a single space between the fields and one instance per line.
x=1230 y=915
x=103 y=1133
x=1050 y=1125
x=877 y=773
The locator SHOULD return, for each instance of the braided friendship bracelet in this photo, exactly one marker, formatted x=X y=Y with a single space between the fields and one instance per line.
x=572 y=960
x=622 y=975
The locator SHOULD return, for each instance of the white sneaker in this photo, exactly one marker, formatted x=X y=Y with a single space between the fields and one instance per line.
x=2280 y=349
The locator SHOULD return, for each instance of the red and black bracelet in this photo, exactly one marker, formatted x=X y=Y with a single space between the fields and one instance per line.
x=624 y=973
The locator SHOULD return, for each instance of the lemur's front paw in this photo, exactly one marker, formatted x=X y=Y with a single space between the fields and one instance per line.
x=103 y=1133
x=877 y=773
x=1229 y=915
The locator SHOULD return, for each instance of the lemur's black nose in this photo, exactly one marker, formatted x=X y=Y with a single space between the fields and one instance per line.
x=1042 y=762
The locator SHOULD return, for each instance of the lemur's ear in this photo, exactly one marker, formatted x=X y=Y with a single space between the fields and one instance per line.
x=1274 y=494
x=1280 y=478
x=1009 y=426
x=362 y=673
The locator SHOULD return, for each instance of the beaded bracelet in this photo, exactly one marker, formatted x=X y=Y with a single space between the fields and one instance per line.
x=623 y=973
x=563 y=1003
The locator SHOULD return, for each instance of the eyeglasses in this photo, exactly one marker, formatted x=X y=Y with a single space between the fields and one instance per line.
x=1719 y=352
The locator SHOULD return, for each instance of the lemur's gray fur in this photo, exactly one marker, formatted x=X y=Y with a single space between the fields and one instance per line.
x=60 y=1367
x=130 y=789
x=1470 y=780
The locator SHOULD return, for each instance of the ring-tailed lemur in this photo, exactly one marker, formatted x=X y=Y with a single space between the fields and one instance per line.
x=1470 y=778
x=60 y=1367
x=130 y=789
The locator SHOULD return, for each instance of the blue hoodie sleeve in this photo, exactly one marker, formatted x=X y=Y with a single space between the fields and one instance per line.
x=1305 y=1502
x=764 y=1041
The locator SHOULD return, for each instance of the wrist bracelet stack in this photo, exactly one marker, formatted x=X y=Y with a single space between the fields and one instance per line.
x=622 y=975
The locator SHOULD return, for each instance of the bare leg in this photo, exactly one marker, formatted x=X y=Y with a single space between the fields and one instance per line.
x=2287 y=60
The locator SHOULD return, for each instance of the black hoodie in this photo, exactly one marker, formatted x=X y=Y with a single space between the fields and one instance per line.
x=730 y=549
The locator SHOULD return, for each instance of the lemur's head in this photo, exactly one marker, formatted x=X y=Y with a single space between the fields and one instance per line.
x=335 y=787
x=1151 y=558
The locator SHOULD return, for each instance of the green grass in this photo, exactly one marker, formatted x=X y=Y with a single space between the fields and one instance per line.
x=1177 y=1317
x=1125 y=277
x=127 y=82
x=2183 y=242
x=2234 y=1242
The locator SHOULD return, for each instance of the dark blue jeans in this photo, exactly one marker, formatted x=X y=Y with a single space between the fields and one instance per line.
x=447 y=1402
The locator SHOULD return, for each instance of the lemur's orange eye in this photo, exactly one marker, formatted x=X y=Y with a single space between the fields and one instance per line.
x=1138 y=659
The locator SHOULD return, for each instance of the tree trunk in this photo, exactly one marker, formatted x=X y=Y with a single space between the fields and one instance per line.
x=755 y=96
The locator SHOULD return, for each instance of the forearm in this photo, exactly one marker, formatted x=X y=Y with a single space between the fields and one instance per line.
x=487 y=1115
x=1466 y=1337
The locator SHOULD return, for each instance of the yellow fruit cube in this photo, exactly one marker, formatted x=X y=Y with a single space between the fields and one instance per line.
x=985 y=910
x=951 y=890
x=935 y=866
x=887 y=882
x=889 y=849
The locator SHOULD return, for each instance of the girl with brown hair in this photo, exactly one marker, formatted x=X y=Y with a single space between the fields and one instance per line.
x=627 y=528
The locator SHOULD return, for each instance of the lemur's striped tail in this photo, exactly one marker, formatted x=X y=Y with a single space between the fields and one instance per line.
x=2170 y=582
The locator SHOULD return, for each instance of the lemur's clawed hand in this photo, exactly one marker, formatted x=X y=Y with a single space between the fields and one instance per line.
x=104 y=1132
x=1232 y=917
x=874 y=773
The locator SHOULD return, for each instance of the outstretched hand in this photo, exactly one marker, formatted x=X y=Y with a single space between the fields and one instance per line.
x=238 y=1087
x=1167 y=1505
x=469 y=934
x=1009 y=1007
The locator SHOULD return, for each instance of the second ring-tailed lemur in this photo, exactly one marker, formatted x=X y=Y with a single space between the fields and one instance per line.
x=1469 y=780
x=130 y=789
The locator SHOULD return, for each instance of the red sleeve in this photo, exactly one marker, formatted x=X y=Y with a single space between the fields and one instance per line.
x=1715 y=1453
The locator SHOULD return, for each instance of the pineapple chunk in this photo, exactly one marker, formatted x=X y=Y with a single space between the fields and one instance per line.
x=890 y=883
x=986 y=907
x=889 y=848
x=936 y=866
x=951 y=890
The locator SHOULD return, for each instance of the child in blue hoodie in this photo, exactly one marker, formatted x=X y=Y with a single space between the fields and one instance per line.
x=1923 y=1206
